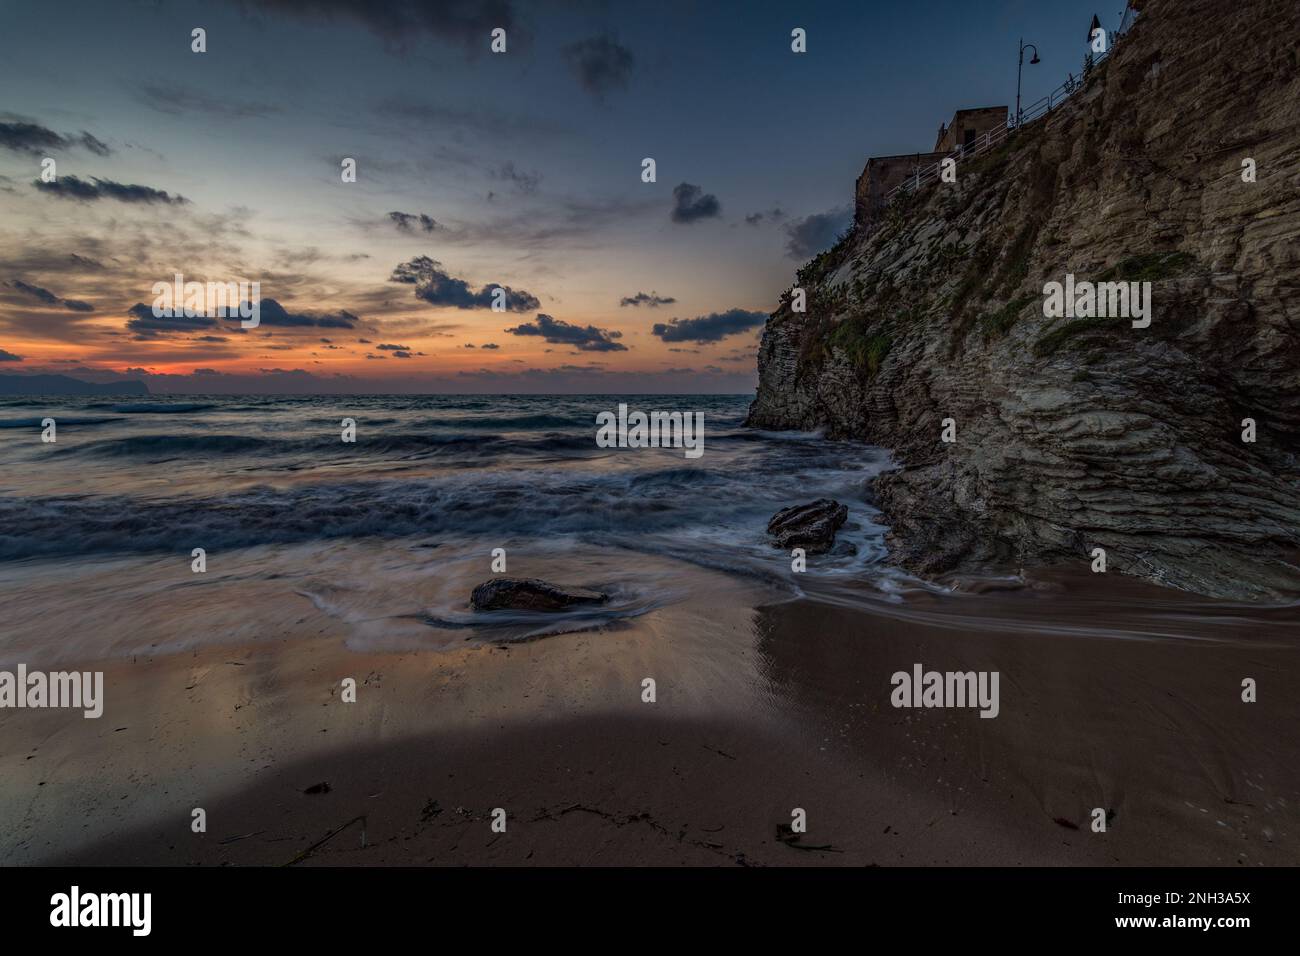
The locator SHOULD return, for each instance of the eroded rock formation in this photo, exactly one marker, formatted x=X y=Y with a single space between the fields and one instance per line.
x=1073 y=434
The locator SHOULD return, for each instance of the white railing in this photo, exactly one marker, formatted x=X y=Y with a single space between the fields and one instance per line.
x=989 y=140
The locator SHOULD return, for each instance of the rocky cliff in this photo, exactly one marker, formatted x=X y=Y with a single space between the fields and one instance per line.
x=1080 y=433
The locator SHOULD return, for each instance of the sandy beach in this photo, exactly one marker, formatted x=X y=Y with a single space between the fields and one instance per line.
x=763 y=704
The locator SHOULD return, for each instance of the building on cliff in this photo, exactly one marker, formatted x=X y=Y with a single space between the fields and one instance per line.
x=967 y=126
x=883 y=173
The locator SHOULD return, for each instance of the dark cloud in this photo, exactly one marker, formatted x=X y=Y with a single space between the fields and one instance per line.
x=558 y=332
x=398 y=351
x=757 y=218
x=436 y=287
x=71 y=187
x=524 y=182
x=691 y=203
x=49 y=298
x=600 y=64
x=651 y=299
x=35 y=139
x=9 y=356
x=175 y=101
x=273 y=313
x=408 y=221
x=709 y=328
x=146 y=325
x=465 y=22
x=574 y=223
x=490 y=345
x=814 y=234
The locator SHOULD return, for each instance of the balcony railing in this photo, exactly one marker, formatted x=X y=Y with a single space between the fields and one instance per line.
x=923 y=176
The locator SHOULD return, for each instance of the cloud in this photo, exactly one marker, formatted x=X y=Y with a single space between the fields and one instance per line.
x=571 y=222
x=652 y=299
x=32 y=138
x=814 y=234
x=756 y=218
x=406 y=221
x=9 y=356
x=71 y=187
x=175 y=101
x=558 y=332
x=465 y=22
x=526 y=183
x=146 y=325
x=600 y=64
x=271 y=313
x=49 y=298
x=437 y=287
x=709 y=328
x=489 y=345
x=691 y=203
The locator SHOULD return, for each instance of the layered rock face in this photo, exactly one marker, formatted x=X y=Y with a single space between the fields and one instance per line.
x=1080 y=433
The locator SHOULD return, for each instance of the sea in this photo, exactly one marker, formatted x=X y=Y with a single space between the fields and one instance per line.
x=155 y=523
x=154 y=478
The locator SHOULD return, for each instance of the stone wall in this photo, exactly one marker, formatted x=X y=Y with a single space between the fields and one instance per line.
x=883 y=173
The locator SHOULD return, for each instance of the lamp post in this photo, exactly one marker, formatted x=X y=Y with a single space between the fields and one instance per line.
x=1020 y=69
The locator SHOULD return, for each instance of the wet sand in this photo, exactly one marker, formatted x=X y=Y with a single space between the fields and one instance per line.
x=763 y=705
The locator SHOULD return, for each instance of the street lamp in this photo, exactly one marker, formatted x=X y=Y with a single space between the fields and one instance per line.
x=1020 y=69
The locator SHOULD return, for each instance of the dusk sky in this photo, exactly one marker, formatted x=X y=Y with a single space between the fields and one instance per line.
x=474 y=170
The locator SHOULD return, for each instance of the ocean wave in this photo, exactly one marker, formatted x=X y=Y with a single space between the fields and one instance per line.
x=167 y=446
x=395 y=445
x=515 y=422
x=160 y=408
x=59 y=420
x=695 y=507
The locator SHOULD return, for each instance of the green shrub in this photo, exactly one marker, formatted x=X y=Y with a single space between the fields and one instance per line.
x=1053 y=340
x=999 y=323
x=865 y=349
x=1150 y=267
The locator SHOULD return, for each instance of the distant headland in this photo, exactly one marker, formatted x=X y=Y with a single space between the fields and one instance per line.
x=63 y=385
